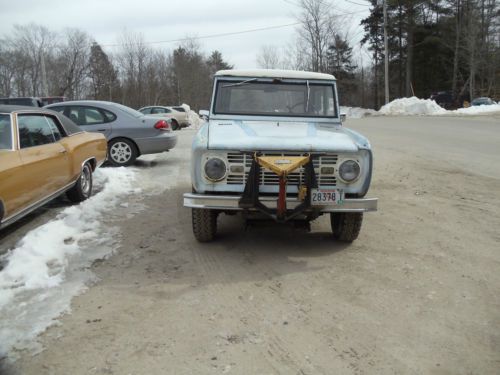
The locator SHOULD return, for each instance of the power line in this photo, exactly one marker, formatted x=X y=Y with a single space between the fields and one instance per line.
x=212 y=35
x=344 y=13
x=353 y=2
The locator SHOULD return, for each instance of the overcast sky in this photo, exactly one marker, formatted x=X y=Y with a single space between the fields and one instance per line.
x=157 y=20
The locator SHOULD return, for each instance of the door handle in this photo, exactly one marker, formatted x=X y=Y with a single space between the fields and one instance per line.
x=101 y=130
x=63 y=151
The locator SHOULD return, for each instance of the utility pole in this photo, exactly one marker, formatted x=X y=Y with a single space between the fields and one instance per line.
x=386 y=55
x=44 y=74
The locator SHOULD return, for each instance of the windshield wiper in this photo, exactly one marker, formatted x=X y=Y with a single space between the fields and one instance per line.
x=308 y=92
x=240 y=83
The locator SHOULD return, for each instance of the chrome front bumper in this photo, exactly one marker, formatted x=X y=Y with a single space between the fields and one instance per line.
x=231 y=202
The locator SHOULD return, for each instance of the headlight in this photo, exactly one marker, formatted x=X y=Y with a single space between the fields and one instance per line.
x=215 y=169
x=349 y=171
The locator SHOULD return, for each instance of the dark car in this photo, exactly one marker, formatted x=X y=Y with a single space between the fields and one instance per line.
x=444 y=99
x=28 y=101
x=46 y=100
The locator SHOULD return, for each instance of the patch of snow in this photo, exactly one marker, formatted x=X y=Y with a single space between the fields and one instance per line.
x=412 y=106
x=357 y=112
x=51 y=263
x=478 y=110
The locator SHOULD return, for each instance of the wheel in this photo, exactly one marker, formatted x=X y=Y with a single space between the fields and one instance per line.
x=175 y=125
x=83 y=187
x=122 y=152
x=346 y=225
x=204 y=224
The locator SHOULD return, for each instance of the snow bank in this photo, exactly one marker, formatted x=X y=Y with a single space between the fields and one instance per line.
x=412 y=106
x=50 y=264
x=417 y=107
x=478 y=110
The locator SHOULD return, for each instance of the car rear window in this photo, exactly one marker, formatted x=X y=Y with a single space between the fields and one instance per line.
x=5 y=132
x=179 y=109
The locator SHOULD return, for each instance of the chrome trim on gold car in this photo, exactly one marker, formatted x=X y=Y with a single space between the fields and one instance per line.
x=11 y=219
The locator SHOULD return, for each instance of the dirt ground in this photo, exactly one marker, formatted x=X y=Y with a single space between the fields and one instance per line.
x=417 y=293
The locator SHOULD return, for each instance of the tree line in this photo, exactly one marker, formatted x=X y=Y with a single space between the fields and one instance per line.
x=437 y=45
x=434 y=45
x=35 y=61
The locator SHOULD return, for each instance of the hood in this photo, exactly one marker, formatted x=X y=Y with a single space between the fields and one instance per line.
x=279 y=135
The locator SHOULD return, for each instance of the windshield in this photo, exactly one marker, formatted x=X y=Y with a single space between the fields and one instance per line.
x=5 y=132
x=481 y=101
x=307 y=99
x=130 y=111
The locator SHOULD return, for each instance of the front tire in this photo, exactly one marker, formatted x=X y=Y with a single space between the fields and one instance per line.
x=83 y=187
x=122 y=152
x=346 y=225
x=175 y=125
x=204 y=224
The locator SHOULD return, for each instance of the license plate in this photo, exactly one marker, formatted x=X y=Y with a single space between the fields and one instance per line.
x=322 y=197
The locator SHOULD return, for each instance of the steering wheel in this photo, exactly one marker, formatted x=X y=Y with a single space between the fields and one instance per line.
x=291 y=107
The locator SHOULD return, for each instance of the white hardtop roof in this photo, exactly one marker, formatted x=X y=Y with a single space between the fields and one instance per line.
x=274 y=73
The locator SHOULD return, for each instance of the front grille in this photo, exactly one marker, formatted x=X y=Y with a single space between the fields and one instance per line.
x=268 y=178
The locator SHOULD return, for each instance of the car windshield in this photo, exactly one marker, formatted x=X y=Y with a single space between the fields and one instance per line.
x=5 y=132
x=130 y=111
x=481 y=101
x=303 y=99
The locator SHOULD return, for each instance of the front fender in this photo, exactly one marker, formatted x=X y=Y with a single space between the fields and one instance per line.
x=198 y=148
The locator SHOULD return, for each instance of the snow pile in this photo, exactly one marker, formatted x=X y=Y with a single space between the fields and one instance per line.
x=416 y=106
x=50 y=264
x=412 y=106
x=478 y=110
x=357 y=112
x=194 y=119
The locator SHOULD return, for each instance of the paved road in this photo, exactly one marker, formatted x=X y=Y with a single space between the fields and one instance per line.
x=417 y=293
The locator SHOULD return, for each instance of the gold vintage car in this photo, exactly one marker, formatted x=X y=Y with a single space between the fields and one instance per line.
x=43 y=154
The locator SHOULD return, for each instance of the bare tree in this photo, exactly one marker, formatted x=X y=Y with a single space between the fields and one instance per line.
x=295 y=55
x=7 y=70
x=316 y=30
x=33 y=44
x=269 y=57
x=69 y=71
x=132 y=59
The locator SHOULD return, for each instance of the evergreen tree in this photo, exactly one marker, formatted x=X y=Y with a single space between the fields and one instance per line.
x=339 y=61
x=374 y=37
x=102 y=73
x=215 y=62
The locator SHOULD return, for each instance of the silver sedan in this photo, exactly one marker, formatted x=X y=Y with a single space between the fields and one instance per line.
x=129 y=133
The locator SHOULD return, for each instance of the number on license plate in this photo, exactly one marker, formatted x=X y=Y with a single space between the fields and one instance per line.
x=322 y=197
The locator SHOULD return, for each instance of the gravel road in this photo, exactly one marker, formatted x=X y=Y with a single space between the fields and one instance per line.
x=417 y=293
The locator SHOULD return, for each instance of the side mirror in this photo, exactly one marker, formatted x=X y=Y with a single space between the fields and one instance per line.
x=343 y=117
x=204 y=114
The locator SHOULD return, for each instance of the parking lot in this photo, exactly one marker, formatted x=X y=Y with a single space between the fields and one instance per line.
x=417 y=293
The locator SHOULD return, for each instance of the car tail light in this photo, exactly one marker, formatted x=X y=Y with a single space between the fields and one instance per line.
x=162 y=125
